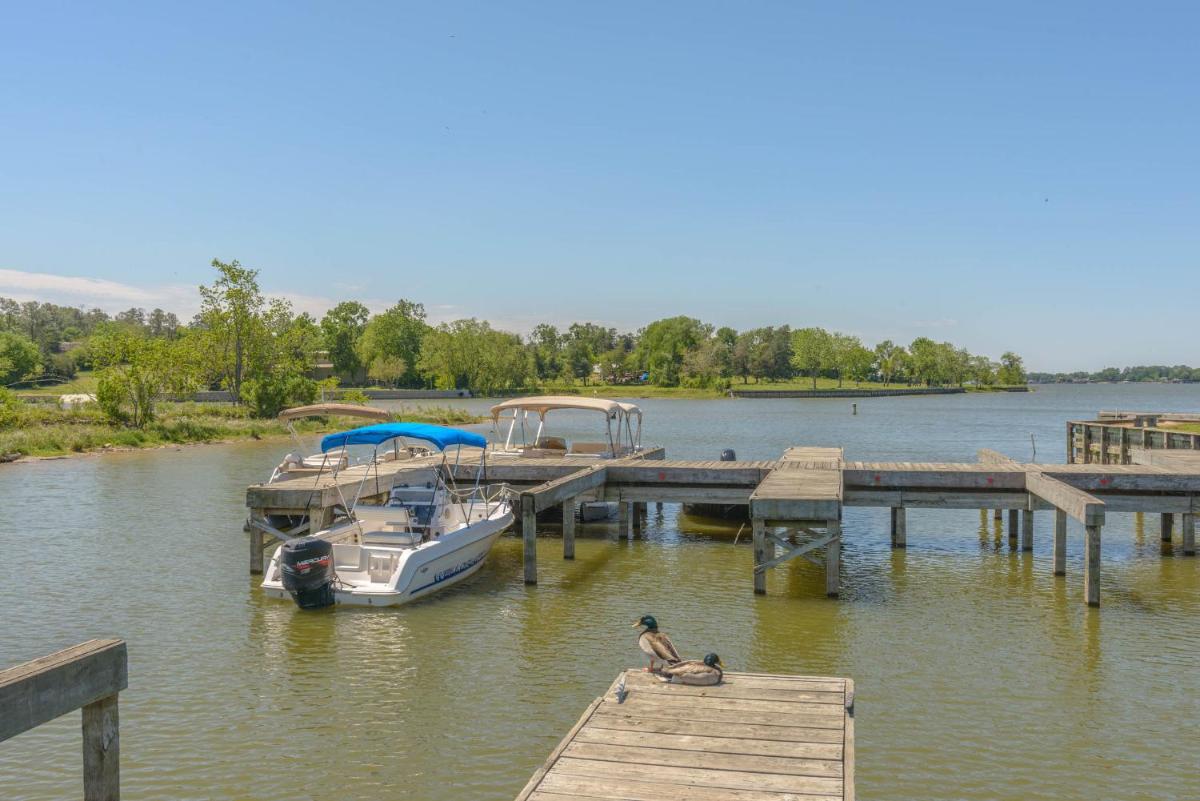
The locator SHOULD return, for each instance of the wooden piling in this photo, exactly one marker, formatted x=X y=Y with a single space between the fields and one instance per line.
x=1165 y=524
x=1091 y=565
x=1060 y=542
x=899 y=527
x=101 y=751
x=568 y=525
x=1012 y=527
x=997 y=514
x=625 y=519
x=1187 y=524
x=256 y=550
x=1026 y=529
x=529 y=538
x=759 y=532
x=833 y=553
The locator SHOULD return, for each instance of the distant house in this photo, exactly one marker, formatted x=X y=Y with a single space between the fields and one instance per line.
x=322 y=368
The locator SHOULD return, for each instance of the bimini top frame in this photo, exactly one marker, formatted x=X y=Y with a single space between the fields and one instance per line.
x=622 y=413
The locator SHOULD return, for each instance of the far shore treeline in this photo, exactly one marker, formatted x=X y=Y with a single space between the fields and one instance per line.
x=269 y=357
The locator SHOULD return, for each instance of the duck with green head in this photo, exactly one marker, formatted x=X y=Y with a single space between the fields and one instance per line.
x=656 y=644
x=700 y=672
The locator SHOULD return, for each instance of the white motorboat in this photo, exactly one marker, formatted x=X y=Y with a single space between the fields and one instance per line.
x=427 y=537
x=515 y=420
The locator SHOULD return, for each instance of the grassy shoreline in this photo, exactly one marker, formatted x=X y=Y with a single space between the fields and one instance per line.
x=47 y=431
x=697 y=393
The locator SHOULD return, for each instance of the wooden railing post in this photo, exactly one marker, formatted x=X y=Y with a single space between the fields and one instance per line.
x=101 y=751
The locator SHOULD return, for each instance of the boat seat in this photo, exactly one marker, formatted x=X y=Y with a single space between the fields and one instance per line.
x=551 y=444
x=589 y=447
x=347 y=556
x=393 y=539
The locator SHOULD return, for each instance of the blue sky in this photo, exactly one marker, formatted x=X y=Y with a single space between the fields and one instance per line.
x=1024 y=175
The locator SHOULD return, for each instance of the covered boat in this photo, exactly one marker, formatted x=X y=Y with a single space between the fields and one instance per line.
x=428 y=536
x=296 y=463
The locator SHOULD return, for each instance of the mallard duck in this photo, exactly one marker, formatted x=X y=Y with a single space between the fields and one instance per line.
x=694 y=671
x=656 y=644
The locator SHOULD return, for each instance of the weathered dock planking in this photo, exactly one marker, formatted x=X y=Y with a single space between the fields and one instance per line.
x=754 y=737
x=795 y=502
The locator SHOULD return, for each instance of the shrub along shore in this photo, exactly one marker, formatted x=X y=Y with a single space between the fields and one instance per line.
x=46 y=430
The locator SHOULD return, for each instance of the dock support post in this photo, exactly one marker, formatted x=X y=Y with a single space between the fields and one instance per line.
x=316 y=518
x=759 y=532
x=256 y=550
x=1012 y=528
x=899 y=527
x=658 y=507
x=997 y=514
x=1187 y=521
x=833 y=558
x=1060 y=542
x=625 y=519
x=1027 y=530
x=1166 y=523
x=1091 y=566
x=529 y=537
x=101 y=751
x=568 y=513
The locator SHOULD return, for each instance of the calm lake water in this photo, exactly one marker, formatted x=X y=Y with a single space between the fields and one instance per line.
x=979 y=674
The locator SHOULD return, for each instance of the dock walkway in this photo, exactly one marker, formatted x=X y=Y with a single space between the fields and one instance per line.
x=754 y=737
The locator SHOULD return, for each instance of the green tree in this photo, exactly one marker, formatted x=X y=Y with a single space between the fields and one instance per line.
x=663 y=345
x=982 y=371
x=889 y=360
x=391 y=344
x=812 y=351
x=582 y=345
x=926 y=361
x=19 y=357
x=546 y=344
x=343 y=326
x=1012 y=369
x=470 y=354
x=134 y=372
x=231 y=312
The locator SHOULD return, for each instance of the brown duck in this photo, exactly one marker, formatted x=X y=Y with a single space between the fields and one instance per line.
x=701 y=673
x=655 y=643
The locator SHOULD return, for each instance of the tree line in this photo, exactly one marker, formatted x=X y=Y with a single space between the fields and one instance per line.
x=264 y=353
x=1145 y=372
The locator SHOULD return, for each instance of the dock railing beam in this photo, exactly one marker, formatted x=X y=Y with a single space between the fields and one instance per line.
x=87 y=676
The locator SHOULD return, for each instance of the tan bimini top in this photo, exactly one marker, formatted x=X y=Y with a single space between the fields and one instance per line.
x=343 y=409
x=548 y=403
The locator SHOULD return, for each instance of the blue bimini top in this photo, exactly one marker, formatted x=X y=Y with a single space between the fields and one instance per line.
x=441 y=436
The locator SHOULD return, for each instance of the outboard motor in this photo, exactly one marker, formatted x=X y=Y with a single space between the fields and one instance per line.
x=306 y=564
x=728 y=455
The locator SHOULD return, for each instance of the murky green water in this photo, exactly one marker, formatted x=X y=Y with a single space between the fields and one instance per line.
x=979 y=675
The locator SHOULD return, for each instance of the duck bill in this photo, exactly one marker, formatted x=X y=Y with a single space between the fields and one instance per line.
x=636 y=623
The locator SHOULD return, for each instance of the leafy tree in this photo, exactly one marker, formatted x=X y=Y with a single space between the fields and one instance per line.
x=231 y=314
x=844 y=354
x=812 y=351
x=19 y=357
x=391 y=343
x=582 y=345
x=889 y=360
x=1012 y=369
x=663 y=344
x=343 y=326
x=927 y=361
x=982 y=371
x=546 y=344
x=470 y=354
x=134 y=372
x=268 y=394
x=858 y=362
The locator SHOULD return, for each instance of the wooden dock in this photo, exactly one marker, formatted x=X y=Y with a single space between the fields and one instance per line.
x=754 y=737
x=795 y=502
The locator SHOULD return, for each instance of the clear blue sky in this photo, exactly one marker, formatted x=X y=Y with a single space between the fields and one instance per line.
x=1022 y=176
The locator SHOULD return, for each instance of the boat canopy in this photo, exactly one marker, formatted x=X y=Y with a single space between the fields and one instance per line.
x=542 y=404
x=342 y=409
x=441 y=436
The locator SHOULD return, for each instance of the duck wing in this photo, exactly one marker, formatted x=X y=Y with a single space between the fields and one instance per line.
x=659 y=646
x=692 y=671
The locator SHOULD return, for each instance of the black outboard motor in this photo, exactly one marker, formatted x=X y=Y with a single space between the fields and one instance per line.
x=307 y=567
x=728 y=455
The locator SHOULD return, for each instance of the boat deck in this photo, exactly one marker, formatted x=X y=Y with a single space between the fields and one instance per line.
x=754 y=737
